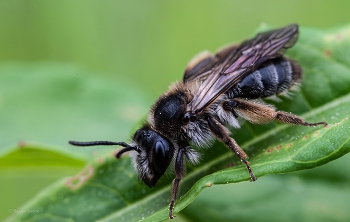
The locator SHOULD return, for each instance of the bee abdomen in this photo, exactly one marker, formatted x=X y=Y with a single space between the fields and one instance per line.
x=273 y=77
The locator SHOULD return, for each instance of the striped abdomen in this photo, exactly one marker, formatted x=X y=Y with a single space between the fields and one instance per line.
x=273 y=77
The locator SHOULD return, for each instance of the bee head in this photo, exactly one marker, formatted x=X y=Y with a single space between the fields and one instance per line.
x=154 y=154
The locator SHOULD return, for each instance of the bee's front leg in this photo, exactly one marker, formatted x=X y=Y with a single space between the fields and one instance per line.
x=179 y=171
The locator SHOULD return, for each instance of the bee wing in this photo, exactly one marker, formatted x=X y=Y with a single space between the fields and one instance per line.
x=201 y=66
x=230 y=65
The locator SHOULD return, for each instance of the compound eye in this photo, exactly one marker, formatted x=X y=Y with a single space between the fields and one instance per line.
x=160 y=156
x=157 y=153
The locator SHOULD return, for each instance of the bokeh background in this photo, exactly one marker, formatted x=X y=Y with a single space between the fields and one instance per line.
x=89 y=70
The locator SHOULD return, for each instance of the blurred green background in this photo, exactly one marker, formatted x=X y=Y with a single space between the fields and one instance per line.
x=89 y=70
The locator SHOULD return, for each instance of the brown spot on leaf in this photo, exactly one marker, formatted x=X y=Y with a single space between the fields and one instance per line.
x=327 y=53
x=269 y=150
x=100 y=160
x=339 y=37
x=230 y=165
x=78 y=180
x=21 y=144
x=279 y=147
x=316 y=133
x=305 y=137
x=289 y=145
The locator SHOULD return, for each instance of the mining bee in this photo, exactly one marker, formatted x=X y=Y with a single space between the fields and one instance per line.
x=216 y=89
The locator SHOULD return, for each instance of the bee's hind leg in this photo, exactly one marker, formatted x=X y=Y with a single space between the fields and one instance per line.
x=260 y=113
x=289 y=118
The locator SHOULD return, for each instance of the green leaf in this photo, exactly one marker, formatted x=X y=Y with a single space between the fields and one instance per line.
x=30 y=155
x=319 y=194
x=108 y=190
x=26 y=169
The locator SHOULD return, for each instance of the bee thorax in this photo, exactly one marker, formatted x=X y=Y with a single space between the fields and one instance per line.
x=168 y=114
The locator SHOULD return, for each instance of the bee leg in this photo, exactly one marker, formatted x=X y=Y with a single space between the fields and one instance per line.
x=179 y=171
x=289 y=118
x=223 y=134
x=260 y=113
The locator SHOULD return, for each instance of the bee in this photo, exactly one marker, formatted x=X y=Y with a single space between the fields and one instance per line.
x=216 y=89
